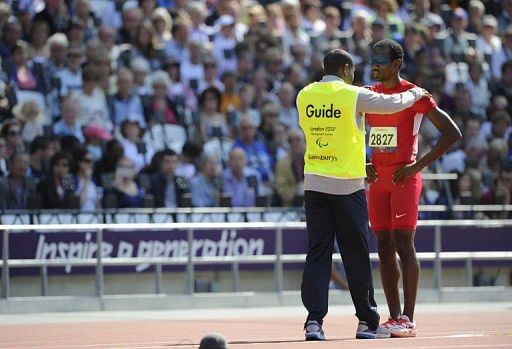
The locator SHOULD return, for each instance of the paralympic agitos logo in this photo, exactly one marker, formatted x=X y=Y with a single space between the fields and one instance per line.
x=321 y=143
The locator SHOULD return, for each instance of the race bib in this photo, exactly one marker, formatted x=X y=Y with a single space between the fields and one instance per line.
x=383 y=139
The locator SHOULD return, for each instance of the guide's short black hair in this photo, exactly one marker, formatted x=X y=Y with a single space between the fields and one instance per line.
x=395 y=49
x=336 y=59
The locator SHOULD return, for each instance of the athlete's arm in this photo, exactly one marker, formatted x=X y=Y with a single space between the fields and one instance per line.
x=378 y=103
x=450 y=134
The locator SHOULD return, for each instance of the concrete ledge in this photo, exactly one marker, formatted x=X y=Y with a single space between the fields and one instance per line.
x=17 y=305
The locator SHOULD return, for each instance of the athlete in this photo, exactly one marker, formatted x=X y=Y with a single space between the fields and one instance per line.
x=395 y=182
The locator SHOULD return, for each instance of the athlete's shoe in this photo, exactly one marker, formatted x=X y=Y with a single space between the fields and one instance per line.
x=364 y=332
x=391 y=323
x=314 y=331
x=404 y=327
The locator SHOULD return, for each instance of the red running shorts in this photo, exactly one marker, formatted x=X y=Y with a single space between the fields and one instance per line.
x=391 y=206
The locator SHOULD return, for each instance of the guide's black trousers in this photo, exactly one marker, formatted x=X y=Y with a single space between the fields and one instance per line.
x=346 y=217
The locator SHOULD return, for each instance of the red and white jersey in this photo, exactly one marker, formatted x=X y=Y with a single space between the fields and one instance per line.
x=393 y=138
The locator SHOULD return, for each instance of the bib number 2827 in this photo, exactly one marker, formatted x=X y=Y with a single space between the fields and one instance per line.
x=383 y=137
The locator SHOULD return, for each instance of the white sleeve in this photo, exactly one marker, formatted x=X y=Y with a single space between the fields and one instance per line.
x=379 y=103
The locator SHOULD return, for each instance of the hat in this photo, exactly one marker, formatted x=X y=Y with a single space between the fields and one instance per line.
x=434 y=19
x=225 y=21
x=170 y=61
x=459 y=12
x=489 y=21
x=99 y=132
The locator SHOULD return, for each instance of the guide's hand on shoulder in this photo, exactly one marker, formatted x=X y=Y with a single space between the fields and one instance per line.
x=420 y=92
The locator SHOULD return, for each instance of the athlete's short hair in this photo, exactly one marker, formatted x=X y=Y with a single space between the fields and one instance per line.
x=336 y=59
x=395 y=49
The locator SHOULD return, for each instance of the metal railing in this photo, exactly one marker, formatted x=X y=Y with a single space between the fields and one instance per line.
x=190 y=261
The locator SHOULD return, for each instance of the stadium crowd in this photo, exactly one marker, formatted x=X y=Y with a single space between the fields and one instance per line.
x=172 y=103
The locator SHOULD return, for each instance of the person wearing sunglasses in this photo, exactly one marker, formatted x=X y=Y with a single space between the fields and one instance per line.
x=395 y=182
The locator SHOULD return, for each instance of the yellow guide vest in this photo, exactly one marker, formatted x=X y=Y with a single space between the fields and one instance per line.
x=335 y=145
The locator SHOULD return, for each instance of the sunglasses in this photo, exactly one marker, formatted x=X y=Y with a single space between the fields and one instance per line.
x=88 y=160
x=14 y=133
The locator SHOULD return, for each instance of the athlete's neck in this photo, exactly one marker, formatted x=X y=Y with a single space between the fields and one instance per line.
x=390 y=83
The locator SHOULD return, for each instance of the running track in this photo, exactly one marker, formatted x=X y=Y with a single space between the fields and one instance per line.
x=449 y=326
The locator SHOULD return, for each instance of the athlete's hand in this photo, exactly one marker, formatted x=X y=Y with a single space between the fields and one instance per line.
x=371 y=173
x=401 y=173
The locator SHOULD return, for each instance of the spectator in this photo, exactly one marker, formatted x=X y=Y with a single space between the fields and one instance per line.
x=126 y=103
x=92 y=104
x=11 y=132
x=168 y=188
x=505 y=17
x=210 y=75
x=68 y=124
x=141 y=71
x=38 y=36
x=125 y=190
x=32 y=117
x=199 y=31
x=288 y=111
x=503 y=55
x=23 y=75
x=105 y=169
x=158 y=107
x=212 y=123
x=56 y=14
x=224 y=43
x=240 y=181
x=17 y=188
x=71 y=77
x=457 y=43
x=95 y=137
x=258 y=156
x=230 y=99
x=177 y=47
x=488 y=42
x=290 y=171
x=502 y=87
x=57 y=189
x=86 y=189
x=131 y=19
x=191 y=70
x=206 y=186
x=135 y=147
x=162 y=22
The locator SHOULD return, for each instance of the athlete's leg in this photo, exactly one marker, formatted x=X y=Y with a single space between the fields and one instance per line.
x=389 y=271
x=404 y=242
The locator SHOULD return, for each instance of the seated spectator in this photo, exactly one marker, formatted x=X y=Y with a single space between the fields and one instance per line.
x=125 y=190
x=210 y=75
x=240 y=181
x=135 y=147
x=24 y=76
x=11 y=132
x=162 y=22
x=206 y=186
x=230 y=99
x=106 y=167
x=92 y=104
x=457 y=43
x=168 y=188
x=501 y=192
x=258 y=156
x=17 y=189
x=126 y=103
x=212 y=123
x=32 y=117
x=141 y=70
x=192 y=70
x=86 y=189
x=288 y=114
x=71 y=77
x=57 y=189
x=246 y=101
x=290 y=170
x=503 y=55
x=68 y=124
x=158 y=107
x=95 y=138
